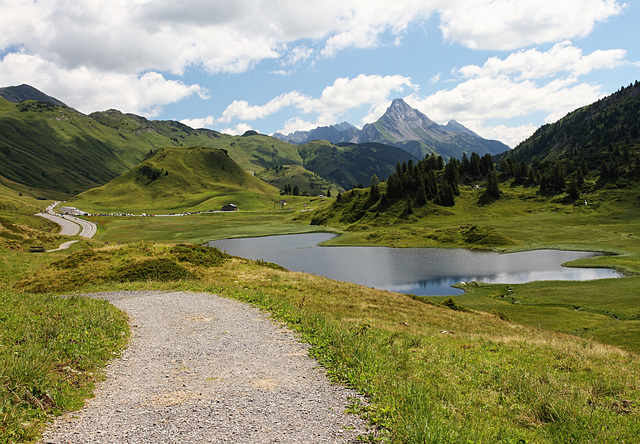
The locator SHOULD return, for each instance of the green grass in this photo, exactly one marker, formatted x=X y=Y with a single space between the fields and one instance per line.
x=180 y=179
x=525 y=363
x=201 y=228
x=50 y=350
x=489 y=381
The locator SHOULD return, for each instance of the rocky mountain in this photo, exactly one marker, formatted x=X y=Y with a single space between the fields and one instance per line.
x=405 y=127
x=22 y=93
x=342 y=132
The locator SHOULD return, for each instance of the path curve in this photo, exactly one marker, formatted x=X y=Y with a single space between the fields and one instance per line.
x=206 y=369
x=69 y=225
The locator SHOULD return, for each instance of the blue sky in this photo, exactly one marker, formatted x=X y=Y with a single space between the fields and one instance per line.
x=500 y=67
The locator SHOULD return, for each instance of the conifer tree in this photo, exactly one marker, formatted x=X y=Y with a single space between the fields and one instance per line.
x=492 y=188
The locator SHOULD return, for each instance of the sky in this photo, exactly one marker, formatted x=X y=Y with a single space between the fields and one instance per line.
x=502 y=68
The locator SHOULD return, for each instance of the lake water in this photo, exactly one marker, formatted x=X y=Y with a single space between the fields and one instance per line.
x=420 y=271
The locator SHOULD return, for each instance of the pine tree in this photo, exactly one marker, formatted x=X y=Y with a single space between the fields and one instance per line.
x=446 y=198
x=421 y=196
x=572 y=190
x=492 y=188
x=579 y=178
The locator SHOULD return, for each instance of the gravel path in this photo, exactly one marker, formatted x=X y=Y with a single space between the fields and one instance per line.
x=205 y=369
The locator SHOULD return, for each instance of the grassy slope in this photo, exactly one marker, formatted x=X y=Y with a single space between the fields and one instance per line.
x=193 y=178
x=51 y=350
x=62 y=151
x=296 y=175
x=19 y=227
x=511 y=382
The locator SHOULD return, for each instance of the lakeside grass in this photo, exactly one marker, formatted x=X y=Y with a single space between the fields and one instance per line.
x=503 y=370
x=201 y=228
x=483 y=380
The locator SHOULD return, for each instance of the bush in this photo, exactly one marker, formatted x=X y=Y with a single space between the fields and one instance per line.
x=152 y=269
x=199 y=255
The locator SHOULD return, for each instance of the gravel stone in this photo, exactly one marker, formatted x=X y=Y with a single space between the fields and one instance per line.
x=205 y=369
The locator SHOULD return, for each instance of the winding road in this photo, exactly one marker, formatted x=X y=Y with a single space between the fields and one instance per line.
x=70 y=225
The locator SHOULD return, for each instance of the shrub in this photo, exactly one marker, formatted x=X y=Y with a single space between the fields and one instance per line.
x=152 y=269
x=199 y=255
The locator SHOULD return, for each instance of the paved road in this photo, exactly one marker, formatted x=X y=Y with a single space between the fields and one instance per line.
x=70 y=225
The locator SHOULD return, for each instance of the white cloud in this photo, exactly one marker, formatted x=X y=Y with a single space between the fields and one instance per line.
x=533 y=64
x=237 y=130
x=501 y=97
x=510 y=135
x=222 y=36
x=89 y=90
x=199 y=123
x=511 y=24
x=297 y=124
x=475 y=101
x=349 y=93
x=336 y=100
x=242 y=110
x=298 y=54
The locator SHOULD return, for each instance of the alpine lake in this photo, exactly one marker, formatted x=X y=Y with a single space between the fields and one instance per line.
x=418 y=271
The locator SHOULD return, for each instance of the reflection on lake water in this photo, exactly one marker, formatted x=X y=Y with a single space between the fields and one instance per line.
x=420 y=271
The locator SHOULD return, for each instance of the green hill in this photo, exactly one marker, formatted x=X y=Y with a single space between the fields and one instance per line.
x=57 y=152
x=61 y=152
x=292 y=176
x=180 y=178
x=350 y=164
x=588 y=132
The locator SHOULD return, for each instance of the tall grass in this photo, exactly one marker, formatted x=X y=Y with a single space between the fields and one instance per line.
x=50 y=352
x=470 y=388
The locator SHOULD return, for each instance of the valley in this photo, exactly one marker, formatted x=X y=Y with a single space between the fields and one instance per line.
x=548 y=361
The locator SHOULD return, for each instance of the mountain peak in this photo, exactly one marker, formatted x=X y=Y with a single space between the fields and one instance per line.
x=457 y=127
x=407 y=128
x=20 y=93
x=402 y=108
x=399 y=103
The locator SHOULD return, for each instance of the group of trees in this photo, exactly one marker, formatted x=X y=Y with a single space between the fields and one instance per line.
x=295 y=191
x=433 y=180
x=568 y=173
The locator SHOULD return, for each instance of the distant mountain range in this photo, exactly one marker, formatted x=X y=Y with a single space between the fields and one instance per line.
x=56 y=151
x=405 y=127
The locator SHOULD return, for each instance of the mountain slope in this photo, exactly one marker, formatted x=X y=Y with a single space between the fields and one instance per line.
x=351 y=164
x=58 y=152
x=194 y=178
x=587 y=131
x=22 y=93
x=61 y=151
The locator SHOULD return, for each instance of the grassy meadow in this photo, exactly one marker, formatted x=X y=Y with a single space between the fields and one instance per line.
x=431 y=372
x=536 y=362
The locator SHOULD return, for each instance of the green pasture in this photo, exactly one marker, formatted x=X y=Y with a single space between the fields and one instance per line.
x=428 y=370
